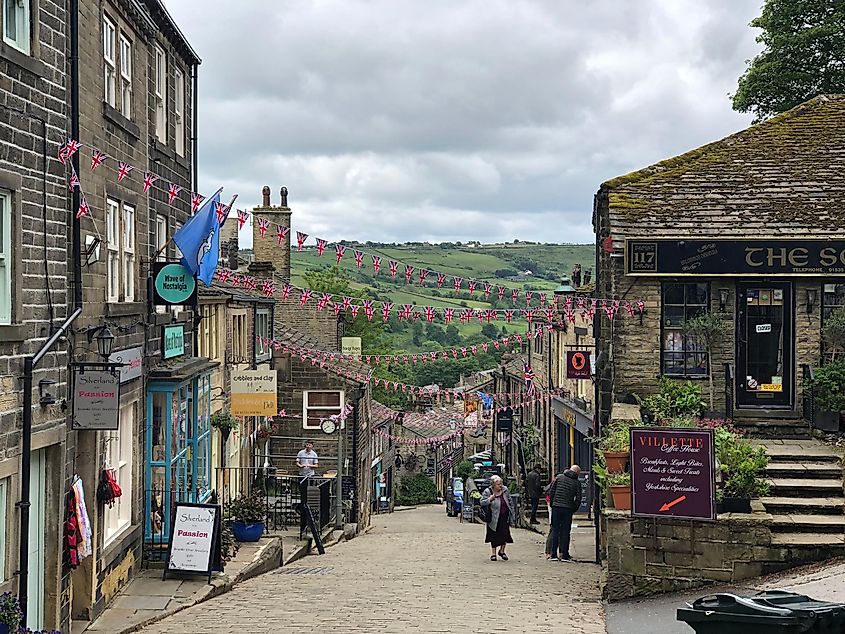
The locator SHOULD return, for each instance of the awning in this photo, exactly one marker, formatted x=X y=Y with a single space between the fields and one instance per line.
x=573 y=416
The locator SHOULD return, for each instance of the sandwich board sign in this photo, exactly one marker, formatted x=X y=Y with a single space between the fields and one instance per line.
x=194 y=539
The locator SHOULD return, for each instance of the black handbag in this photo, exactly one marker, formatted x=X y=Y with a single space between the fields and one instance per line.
x=485 y=513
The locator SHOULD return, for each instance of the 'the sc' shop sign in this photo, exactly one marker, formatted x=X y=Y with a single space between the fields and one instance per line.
x=672 y=473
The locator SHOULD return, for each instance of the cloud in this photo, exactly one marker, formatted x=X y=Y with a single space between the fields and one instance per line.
x=436 y=120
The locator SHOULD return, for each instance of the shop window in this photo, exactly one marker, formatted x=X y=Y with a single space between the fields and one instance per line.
x=318 y=405
x=833 y=299
x=262 y=332
x=209 y=345
x=160 y=94
x=683 y=355
x=6 y=258
x=4 y=488
x=16 y=24
x=109 y=62
x=119 y=455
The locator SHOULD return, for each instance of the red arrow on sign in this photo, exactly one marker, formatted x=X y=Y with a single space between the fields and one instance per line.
x=669 y=505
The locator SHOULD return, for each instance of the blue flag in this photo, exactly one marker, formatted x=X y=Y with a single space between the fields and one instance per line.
x=199 y=241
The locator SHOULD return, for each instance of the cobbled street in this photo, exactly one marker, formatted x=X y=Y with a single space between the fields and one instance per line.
x=415 y=571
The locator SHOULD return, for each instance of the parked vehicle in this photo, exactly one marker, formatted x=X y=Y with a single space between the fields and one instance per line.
x=455 y=497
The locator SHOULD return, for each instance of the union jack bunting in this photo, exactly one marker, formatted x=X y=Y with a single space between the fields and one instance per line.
x=423 y=275
x=84 y=209
x=508 y=316
x=472 y=285
x=376 y=264
x=286 y=290
x=492 y=315
x=97 y=159
x=325 y=300
x=640 y=306
x=300 y=240
x=488 y=288
x=347 y=303
x=550 y=314
x=173 y=192
x=501 y=290
x=336 y=308
x=528 y=296
x=268 y=289
x=304 y=296
x=529 y=376
x=243 y=216
x=542 y=299
x=281 y=233
x=386 y=307
x=222 y=211
x=223 y=275
x=263 y=225
x=321 y=246
x=355 y=308
x=441 y=280
x=406 y=309
x=514 y=296
x=629 y=307
x=393 y=267
x=409 y=271
x=529 y=315
x=68 y=149
x=359 y=259
x=474 y=350
x=149 y=179
x=466 y=315
x=339 y=251
x=429 y=313
x=249 y=282
x=123 y=170
x=447 y=314
x=458 y=282
x=196 y=201
x=368 y=309
x=74 y=179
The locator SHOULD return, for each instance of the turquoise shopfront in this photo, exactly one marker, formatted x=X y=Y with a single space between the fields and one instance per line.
x=178 y=444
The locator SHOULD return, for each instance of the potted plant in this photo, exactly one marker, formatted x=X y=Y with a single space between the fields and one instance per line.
x=10 y=613
x=616 y=447
x=741 y=465
x=708 y=329
x=224 y=422
x=828 y=385
x=247 y=513
x=673 y=398
x=620 y=490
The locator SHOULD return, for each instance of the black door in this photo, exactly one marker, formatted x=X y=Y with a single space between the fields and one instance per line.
x=764 y=344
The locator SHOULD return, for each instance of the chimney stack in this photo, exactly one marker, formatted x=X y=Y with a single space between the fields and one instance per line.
x=270 y=257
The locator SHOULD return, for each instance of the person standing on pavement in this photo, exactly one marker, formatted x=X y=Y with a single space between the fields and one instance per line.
x=534 y=491
x=498 y=499
x=307 y=461
x=565 y=493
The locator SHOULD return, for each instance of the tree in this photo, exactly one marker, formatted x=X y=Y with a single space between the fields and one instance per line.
x=453 y=335
x=803 y=56
x=833 y=332
x=490 y=331
x=708 y=329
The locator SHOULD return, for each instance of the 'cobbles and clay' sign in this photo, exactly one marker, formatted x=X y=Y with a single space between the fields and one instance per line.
x=672 y=473
x=254 y=393
x=96 y=400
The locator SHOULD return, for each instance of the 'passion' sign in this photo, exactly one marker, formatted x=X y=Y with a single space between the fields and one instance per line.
x=672 y=473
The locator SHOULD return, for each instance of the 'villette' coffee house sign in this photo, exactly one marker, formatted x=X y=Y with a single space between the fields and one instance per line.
x=803 y=257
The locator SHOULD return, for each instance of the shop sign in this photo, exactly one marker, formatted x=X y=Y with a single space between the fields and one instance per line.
x=194 y=541
x=173 y=285
x=504 y=420
x=133 y=363
x=351 y=346
x=254 y=393
x=96 y=399
x=796 y=257
x=672 y=473
x=577 y=364
x=173 y=341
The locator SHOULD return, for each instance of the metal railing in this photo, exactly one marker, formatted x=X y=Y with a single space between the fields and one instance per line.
x=808 y=398
x=730 y=386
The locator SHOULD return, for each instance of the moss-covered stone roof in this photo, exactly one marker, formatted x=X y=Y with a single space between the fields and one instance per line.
x=786 y=173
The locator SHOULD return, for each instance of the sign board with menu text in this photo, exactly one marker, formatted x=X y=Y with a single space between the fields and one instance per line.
x=96 y=399
x=194 y=539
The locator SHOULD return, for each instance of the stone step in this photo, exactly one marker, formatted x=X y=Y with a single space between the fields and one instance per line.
x=799 y=451
x=808 y=540
x=830 y=506
x=806 y=487
x=800 y=523
x=809 y=470
x=776 y=429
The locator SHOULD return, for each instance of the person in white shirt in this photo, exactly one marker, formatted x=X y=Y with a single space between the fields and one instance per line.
x=307 y=461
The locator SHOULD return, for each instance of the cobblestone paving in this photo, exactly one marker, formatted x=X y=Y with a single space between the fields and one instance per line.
x=416 y=571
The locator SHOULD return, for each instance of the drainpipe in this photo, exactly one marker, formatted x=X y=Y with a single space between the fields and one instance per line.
x=597 y=384
x=30 y=363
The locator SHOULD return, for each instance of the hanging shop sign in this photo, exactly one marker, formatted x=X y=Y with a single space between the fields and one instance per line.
x=254 y=393
x=172 y=341
x=806 y=257
x=672 y=473
x=578 y=364
x=195 y=539
x=351 y=346
x=132 y=360
x=96 y=399
x=173 y=285
x=504 y=420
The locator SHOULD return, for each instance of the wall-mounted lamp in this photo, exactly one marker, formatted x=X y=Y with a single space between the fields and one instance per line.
x=105 y=340
x=811 y=300
x=723 y=299
x=46 y=398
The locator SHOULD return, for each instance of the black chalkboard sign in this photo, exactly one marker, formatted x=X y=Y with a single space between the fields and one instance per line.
x=586 y=490
x=348 y=485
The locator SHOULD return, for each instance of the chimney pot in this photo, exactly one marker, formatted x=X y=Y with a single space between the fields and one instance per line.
x=266 y=194
x=284 y=196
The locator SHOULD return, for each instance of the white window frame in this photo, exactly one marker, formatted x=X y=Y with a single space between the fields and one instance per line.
x=179 y=112
x=120 y=457
x=109 y=62
x=209 y=342
x=113 y=250
x=176 y=228
x=128 y=246
x=125 y=76
x=240 y=336
x=262 y=351
x=7 y=260
x=160 y=93
x=306 y=407
x=4 y=513
x=161 y=238
x=22 y=41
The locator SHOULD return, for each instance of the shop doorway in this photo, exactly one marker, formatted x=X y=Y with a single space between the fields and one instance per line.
x=764 y=345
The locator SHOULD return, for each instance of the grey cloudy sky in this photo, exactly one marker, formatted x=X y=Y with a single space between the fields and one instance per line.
x=456 y=119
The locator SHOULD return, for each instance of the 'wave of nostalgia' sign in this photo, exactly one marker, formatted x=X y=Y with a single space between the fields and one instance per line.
x=672 y=473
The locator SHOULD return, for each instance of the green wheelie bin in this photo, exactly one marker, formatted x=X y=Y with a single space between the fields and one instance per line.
x=729 y=614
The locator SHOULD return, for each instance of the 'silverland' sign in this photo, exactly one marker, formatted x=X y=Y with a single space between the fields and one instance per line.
x=796 y=257
x=672 y=473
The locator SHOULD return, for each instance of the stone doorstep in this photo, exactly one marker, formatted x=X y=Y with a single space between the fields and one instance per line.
x=809 y=469
x=808 y=539
x=831 y=503
x=807 y=520
x=800 y=483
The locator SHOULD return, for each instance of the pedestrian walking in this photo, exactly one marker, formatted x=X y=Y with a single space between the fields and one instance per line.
x=498 y=499
x=565 y=493
x=307 y=461
x=534 y=491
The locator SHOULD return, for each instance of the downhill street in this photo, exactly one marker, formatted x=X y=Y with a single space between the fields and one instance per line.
x=415 y=571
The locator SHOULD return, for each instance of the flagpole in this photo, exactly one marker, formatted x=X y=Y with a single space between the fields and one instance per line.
x=161 y=250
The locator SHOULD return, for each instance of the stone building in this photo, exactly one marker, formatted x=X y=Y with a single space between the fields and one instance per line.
x=35 y=295
x=749 y=228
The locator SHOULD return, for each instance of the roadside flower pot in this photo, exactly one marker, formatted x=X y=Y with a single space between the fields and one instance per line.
x=244 y=532
x=616 y=461
x=621 y=497
x=736 y=505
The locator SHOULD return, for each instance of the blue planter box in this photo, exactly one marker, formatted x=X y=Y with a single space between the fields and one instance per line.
x=247 y=532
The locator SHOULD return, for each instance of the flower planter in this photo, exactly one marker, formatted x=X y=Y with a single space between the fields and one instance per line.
x=737 y=505
x=616 y=461
x=826 y=421
x=251 y=532
x=621 y=497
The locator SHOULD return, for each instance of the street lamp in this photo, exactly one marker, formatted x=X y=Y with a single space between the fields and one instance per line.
x=565 y=289
x=105 y=342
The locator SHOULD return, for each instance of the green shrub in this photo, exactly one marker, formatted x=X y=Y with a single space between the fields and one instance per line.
x=465 y=469
x=619 y=479
x=673 y=398
x=742 y=464
x=833 y=331
x=247 y=509
x=829 y=386
x=617 y=438
x=416 y=489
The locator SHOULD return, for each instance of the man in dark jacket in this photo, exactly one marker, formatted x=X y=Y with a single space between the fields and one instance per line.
x=565 y=493
x=533 y=489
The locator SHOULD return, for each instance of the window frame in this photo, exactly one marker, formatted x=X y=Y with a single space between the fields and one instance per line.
x=176 y=227
x=323 y=408
x=109 y=62
x=112 y=250
x=179 y=110
x=7 y=259
x=22 y=42
x=209 y=341
x=128 y=252
x=160 y=93
x=687 y=353
x=240 y=336
x=120 y=449
x=160 y=238
x=125 y=46
x=5 y=485
x=263 y=352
